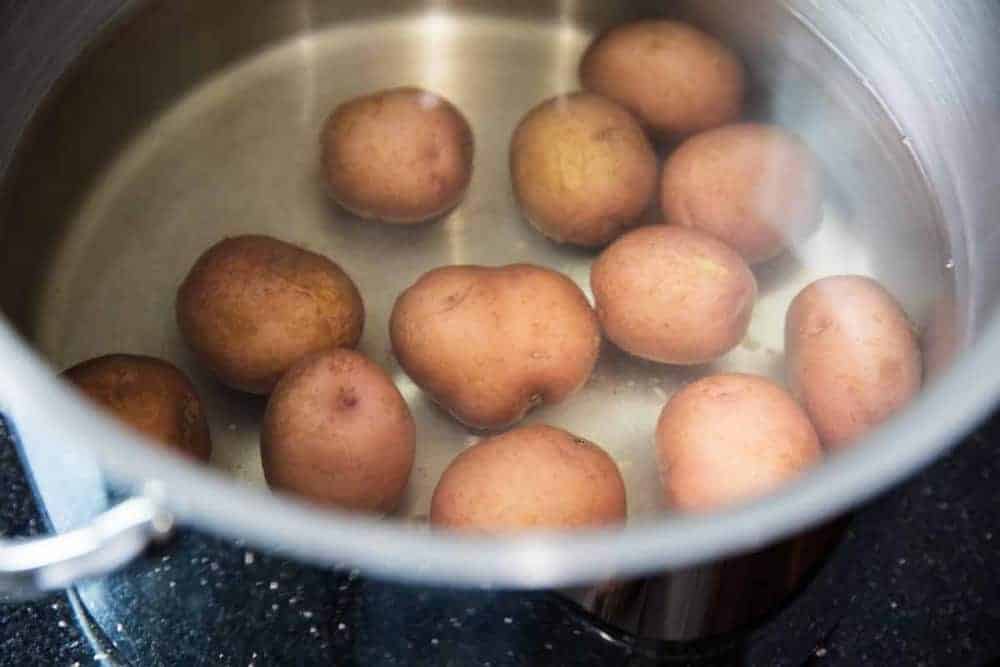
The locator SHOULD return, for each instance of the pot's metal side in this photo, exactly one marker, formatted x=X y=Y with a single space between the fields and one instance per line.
x=714 y=599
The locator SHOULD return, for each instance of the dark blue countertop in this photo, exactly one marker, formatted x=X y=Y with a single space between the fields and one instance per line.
x=914 y=582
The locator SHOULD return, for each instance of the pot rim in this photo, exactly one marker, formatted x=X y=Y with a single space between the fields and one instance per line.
x=938 y=417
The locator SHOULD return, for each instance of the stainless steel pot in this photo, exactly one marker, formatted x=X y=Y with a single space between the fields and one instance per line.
x=133 y=135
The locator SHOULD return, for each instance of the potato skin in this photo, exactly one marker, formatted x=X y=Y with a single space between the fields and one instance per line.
x=582 y=169
x=729 y=438
x=402 y=155
x=672 y=294
x=755 y=187
x=675 y=78
x=337 y=432
x=252 y=306
x=489 y=343
x=150 y=395
x=531 y=478
x=853 y=359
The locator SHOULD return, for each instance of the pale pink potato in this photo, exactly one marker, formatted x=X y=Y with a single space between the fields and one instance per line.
x=675 y=78
x=673 y=294
x=337 y=432
x=853 y=356
x=731 y=438
x=531 y=478
x=755 y=187
x=402 y=155
x=582 y=169
x=490 y=343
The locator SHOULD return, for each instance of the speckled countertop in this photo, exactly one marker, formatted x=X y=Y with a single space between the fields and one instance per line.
x=914 y=582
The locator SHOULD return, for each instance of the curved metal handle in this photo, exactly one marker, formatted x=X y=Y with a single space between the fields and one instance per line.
x=33 y=566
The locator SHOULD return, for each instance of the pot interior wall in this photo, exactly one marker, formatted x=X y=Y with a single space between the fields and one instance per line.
x=187 y=122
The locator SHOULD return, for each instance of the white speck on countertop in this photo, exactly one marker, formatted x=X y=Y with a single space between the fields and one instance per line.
x=892 y=603
x=232 y=427
x=548 y=646
x=313 y=630
x=307 y=614
x=274 y=607
x=248 y=558
x=293 y=600
x=173 y=583
x=214 y=566
x=508 y=620
x=120 y=627
x=341 y=626
x=434 y=641
x=902 y=561
x=273 y=585
x=101 y=656
x=820 y=652
x=203 y=581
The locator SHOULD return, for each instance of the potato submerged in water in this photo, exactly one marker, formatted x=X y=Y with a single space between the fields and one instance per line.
x=853 y=357
x=338 y=432
x=731 y=438
x=673 y=294
x=582 y=169
x=755 y=187
x=531 y=478
x=402 y=155
x=675 y=78
x=490 y=343
x=252 y=306
x=150 y=395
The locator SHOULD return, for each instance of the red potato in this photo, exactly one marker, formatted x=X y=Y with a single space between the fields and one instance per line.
x=582 y=169
x=337 y=432
x=755 y=187
x=490 y=343
x=675 y=78
x=673 y=294
x=402 y=155
x=853 y=356
x=252 y=306
x=151 y=395
x=730 y=438
x=531 y=478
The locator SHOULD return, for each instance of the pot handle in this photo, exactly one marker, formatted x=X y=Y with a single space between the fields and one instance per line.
x=33 y=566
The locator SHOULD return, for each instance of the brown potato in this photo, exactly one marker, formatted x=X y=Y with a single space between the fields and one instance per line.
x=150 y=395
x=490 y=343
x=673 y=294
x=582 y=169
x=853 y=357
x=338 y=432
x=252 y=306
x=402 y=155
x=532 y=478
x=674 y=77
x=730 y=438
x=756 y=187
